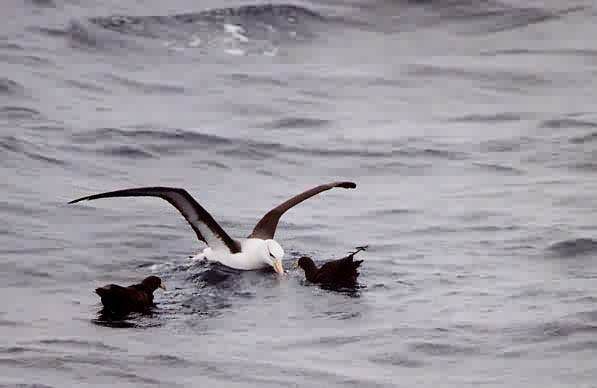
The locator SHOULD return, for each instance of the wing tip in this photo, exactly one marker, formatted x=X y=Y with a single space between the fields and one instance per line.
x=75 y=200
x=346 y=185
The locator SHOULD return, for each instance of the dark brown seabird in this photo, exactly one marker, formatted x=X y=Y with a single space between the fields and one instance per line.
x=257 y=251
x=336 y=274
x=119 y=300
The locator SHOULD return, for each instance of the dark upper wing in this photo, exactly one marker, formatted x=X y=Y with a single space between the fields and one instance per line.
x=206 y=228
x=266 y=227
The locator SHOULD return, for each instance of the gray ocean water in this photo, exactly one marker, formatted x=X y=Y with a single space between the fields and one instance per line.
x=469 y=127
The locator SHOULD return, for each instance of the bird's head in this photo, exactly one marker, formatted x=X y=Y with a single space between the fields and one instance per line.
x=275 y=253
x=152 y=283
x=306 y=263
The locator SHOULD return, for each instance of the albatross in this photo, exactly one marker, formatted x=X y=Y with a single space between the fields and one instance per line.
x=258 y=250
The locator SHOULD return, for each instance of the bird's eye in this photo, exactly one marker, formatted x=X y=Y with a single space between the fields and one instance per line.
x=272 y=256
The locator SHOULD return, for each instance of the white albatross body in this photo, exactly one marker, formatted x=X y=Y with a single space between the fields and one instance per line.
x=258 y=250
x=253 y=255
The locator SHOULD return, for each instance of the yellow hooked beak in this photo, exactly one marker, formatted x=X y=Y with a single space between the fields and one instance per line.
x=277 y=264
x=295 y=265
x=163 y=286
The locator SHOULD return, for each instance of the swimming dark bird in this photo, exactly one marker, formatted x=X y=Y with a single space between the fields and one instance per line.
x=336 y=274
x=118 y=300
x=258 y=250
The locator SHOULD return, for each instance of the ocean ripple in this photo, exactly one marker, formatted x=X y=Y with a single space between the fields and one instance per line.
x=574 y=247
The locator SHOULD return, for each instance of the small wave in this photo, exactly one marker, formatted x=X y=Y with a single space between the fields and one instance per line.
x=500 y=168
x=13 y=144
x=298 y=122
x=146 y=87
x=397 y=359
x=10 y=87
x=134 y=378
x=127 y=151
x=76 y=343
x=567 y=123
x=505 y=145
x=499 y=80
x=146 y=134
x=590 y=137
x=42 y=3
x=553 y=330
x=536 y=52
x=574 y=247
x=169 y=360
x=85 y=36
x=258 y=20
x=19 y=112
x=442 y=349
x=504 y=117
x=146 y=143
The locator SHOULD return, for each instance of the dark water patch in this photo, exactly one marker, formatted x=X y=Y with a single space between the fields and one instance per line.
x=257 y=79
x=11 y=88
x=146 y=320
x=168 y=360
x=11 y=46
x=272 y=13
x=86 y=36
x=442 y=349
x=434 y=153
x=577 y=346
x=133 y=378
x=535 y=52
x=127 y=151
x=525 y=17
x=506 y=145
x=7 y=323
x=25 y=385
x=19 y=113
x=495 y=118
x=515 y=81
x=14 y=350
x=298 y=122
x=78 y=344
x=32 y=151
x=388 y=212
x=567 y=123
x=145 y=87
x=42 y=3
x=26 y=60
x=259 y=22
x=499 y=168
x=588 y=138
x=574 y=247
x=88 y=86
x=494 y=16
x=397 y=359
x=551 y=331
x=590 y=167
x=147 y=136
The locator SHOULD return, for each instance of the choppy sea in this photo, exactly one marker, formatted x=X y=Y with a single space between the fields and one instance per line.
x=470 y=128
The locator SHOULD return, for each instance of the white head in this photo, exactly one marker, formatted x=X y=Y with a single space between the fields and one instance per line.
x=275 y=253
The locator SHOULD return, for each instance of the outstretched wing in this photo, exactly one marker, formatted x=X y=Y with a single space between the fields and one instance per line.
x=206 y=228
x=266 y=227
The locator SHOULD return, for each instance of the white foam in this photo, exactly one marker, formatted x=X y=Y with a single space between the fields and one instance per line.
x=237 y=32
x=195 y=41
x=271 y=53
x=235 y=51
